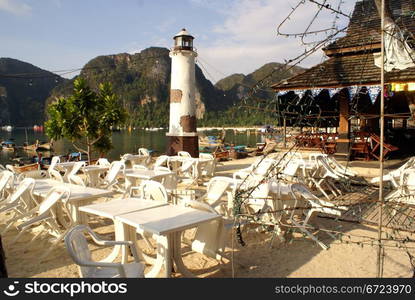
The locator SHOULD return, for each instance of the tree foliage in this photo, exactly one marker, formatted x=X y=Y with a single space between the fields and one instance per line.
x=86 y=118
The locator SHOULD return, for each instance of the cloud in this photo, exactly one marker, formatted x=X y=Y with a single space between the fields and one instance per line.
x=248 y=38
x=15 y=7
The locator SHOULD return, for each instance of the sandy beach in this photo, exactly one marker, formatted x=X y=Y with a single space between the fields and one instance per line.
x=262 y=256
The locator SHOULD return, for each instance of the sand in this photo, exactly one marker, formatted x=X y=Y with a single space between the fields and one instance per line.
x=262 y=256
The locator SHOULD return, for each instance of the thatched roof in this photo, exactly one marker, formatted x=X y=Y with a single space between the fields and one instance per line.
x=351 y=60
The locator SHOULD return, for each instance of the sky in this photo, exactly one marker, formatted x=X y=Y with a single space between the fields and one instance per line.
x=231 y=36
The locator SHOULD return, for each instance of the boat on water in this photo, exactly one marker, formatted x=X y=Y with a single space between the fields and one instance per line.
x=38 y=146
x=7 y=128
x=25 y=168
x=8 y=145
x=209 y=141
x=212 y=140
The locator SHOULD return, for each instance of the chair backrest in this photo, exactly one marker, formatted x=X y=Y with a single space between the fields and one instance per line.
x=103 y=162
x=56 y=194
x=216 y=187
x=153 y=190
x=36 y=174
x=55 y=160
x=313 y=156
x=407 y=181
x=77 y=166
x=143 y=151
x=254 y=188
x=264 y=166
x=340 y=168
x=184 y=154
x=77 y=247
x=206 y=156
x=169 y=181
x=326 y=168
x=6 y=180
x=54 y=174
x=115 y=168
x=187 y=165
x=75 y=179
x=161 y=161
x=25 y=186
x=291 y=168
x=10 y=168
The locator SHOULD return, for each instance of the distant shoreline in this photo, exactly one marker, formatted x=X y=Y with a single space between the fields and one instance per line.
x=227 y=128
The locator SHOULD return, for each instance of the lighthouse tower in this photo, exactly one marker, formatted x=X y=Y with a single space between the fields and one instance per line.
x=182 y=135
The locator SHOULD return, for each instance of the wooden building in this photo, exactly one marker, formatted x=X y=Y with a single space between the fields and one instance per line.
x=353 y=80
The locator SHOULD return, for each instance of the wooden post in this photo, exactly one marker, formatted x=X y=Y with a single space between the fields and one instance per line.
x=382 y=121
x=285 y=132
x=343 y=140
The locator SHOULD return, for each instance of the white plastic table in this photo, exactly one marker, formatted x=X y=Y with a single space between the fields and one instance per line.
x=117 y=207
x=93 y=172
x=132 y=175
x=66 y=167
x=166 y=222
x=79 y=196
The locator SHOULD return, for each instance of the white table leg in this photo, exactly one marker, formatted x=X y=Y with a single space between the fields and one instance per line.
x=163 y=258
x=177 y=256
x=79 y=217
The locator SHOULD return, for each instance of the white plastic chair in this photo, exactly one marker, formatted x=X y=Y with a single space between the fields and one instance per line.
x=21 y=201
x=6 y=184
x=161 y=161
x=77 y=167
x=56 y=175
x=170 y=181
x=45 y=214
x=184 y=154
x=146 y=154
x=209 y=167
x=394 y=176
x=76 y=179
x=217 y=187
x=187 y=172
x=111 y=179
x=210 y=237
x=77 y=247
x=300 y=191
x=323 y=179
x=340 y=168
x=103 y=162
x=153 y=191
x=36 y=174
x=55 y=160
x=135 y=160
x=405 y=193
x=261 y=167
x=293 y=171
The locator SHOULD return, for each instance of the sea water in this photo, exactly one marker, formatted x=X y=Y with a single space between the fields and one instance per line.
x=124 y=141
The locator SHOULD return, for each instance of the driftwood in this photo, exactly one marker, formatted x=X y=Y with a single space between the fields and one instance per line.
x=3 y=270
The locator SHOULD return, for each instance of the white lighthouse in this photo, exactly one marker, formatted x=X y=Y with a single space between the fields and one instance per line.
x=182 y=135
